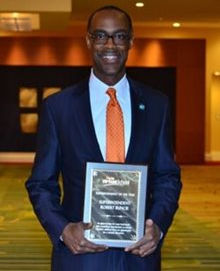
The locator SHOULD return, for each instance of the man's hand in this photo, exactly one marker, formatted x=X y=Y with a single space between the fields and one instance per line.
x=148 y=243
x=73 y=237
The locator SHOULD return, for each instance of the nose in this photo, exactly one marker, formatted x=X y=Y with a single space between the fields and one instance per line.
x=110 y=42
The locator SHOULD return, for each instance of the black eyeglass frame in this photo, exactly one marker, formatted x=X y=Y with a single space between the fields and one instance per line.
x=107 y=36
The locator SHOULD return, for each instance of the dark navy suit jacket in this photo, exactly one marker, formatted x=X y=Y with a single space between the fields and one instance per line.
x=67 y=140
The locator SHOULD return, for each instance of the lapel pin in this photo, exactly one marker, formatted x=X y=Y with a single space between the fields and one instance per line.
x=142 y=107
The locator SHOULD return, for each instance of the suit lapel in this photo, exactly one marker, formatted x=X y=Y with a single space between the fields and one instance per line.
x=85 y=121
x=140 y=124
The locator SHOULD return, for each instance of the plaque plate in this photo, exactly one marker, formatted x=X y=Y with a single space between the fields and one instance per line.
x=115 y=196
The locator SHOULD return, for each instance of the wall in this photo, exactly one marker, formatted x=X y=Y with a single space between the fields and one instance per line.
x=188 y=56
x=212 y=37
x=213 y=97
x=215 y=119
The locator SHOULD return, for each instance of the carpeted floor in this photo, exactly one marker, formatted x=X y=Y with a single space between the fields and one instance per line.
x=192 y=244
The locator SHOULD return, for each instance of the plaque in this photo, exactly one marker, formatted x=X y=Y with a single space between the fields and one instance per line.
x=115 y=196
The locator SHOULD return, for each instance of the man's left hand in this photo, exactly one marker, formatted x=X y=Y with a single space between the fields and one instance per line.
x=148 y=243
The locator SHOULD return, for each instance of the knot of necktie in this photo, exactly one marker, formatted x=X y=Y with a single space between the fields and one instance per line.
x=112 y=94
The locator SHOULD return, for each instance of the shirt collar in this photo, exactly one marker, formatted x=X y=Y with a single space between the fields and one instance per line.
x=121 y=86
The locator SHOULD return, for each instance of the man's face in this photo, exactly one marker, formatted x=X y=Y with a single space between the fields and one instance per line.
x=109 y=57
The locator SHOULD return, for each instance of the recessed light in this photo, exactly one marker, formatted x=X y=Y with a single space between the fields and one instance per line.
x=15 y=15
x=139 y=4
x=176 y=24
x=217 y=73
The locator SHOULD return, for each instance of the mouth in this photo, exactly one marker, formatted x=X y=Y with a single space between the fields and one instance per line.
x=110 y=58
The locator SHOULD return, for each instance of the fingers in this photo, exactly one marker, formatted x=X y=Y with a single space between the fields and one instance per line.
x=145 y=252
x=85 y=246
x=73 y=237
x=87 y=226
x=143 y=247
x=149 y=228
x=148 y=243
x=148 y=237
x=137 y=245
x=91 y=246
x=149 y=223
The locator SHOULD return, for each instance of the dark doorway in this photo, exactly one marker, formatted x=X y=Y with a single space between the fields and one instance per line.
x=39 y=78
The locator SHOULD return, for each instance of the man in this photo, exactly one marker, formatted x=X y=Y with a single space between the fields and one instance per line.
x=73 y=130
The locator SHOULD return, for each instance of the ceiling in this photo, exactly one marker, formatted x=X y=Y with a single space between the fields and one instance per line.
x=155 y=13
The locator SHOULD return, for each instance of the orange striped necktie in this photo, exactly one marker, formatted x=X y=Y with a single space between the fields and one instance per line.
x=115 y=141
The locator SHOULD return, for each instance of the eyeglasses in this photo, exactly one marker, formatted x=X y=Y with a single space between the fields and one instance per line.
x=118 y=38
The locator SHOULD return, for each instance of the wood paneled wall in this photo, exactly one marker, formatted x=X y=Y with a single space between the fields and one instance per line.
x=188 y=56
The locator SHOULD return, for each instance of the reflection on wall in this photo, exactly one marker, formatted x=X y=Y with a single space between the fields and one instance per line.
x=28 y=97
x=215 y=118
x=28 y=122
x=49 y=91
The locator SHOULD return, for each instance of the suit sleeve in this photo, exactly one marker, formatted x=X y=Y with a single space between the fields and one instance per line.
x=165 y=182
x=43 y=186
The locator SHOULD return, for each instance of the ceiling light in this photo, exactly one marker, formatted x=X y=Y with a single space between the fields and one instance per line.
x=139 y=4
x=217 y=73
x=176 y=24
x=14 y=14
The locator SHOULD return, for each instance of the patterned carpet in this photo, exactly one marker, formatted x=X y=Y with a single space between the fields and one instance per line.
x=193 y=242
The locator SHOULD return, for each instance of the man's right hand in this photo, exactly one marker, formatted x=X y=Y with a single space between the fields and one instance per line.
x=73 y=237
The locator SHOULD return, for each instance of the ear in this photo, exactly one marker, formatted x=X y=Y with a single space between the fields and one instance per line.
x=131 y=41
x=88 y=41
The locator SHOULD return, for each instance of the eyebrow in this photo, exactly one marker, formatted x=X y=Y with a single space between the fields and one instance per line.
x=116 y=31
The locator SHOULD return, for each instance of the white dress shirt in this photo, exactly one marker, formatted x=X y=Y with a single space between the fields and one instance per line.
x=99 y=100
